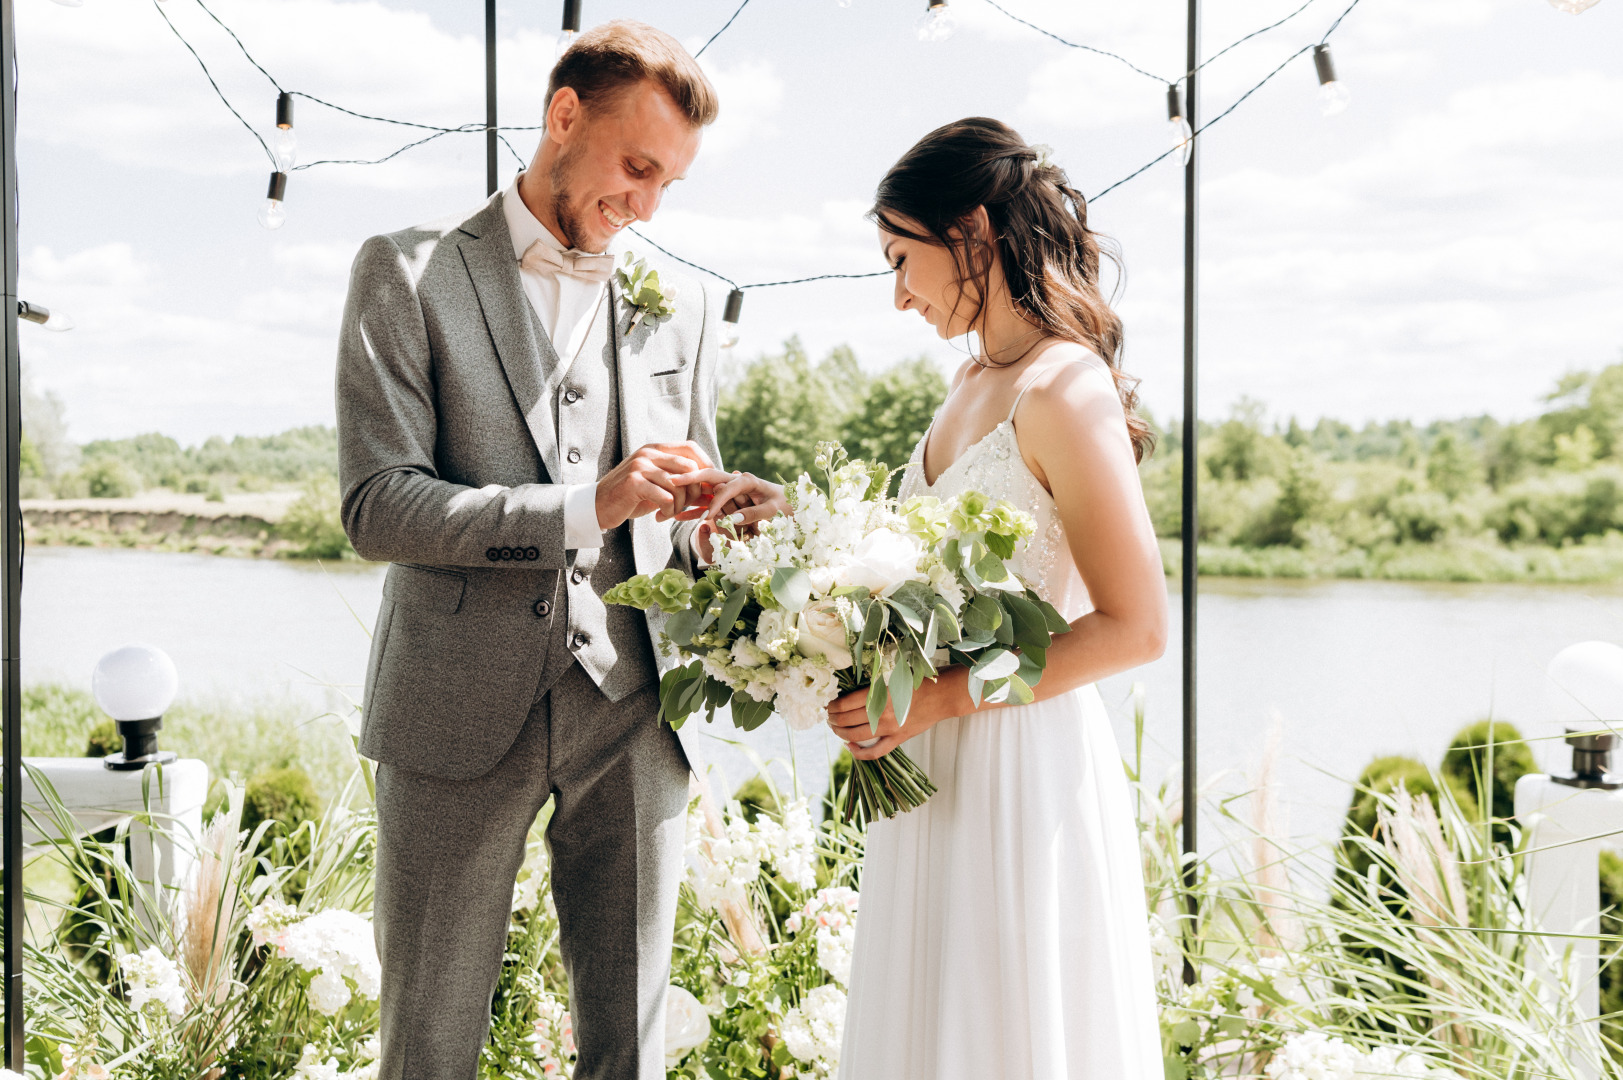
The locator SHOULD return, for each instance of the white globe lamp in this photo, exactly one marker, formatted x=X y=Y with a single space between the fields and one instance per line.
x=135 y=686
x=1585 y=694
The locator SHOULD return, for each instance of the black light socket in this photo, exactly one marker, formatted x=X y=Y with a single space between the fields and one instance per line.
x=735 y=306
x=278 y=187
x=1174 y=102
x=284 y=110
x=32 y=312
x=571 y=16
x=1591 y=760
x=140 y=746
x=1323 y=64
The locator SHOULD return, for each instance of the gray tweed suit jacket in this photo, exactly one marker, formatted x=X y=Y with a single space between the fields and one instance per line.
x=448 y=459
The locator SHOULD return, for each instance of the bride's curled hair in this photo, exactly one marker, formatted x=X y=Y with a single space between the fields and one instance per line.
x=1049 y=255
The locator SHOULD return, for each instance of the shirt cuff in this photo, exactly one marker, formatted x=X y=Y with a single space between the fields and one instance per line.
x=699 y=561
x=580 y=517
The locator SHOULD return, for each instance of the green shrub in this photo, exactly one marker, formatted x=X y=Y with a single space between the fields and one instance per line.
x=756 y=797
x=1611 y=951
x=104 y=739
x=1381 y=777
x=286 y=799
x=105 y=478
x=1466 y=765
x=313 y=522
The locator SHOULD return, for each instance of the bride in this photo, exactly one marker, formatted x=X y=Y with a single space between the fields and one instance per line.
x=1003 y=931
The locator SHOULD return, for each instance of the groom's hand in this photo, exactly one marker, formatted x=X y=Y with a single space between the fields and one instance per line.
x=741 y=500
x=653 y=478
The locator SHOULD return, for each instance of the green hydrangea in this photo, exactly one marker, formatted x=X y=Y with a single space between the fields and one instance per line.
x=971 y=512
x=926 y=518
x=637 y=592
x=1007 y=520
x=671 y=590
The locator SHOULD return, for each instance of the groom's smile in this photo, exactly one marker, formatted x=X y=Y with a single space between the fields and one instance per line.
x=604 y=165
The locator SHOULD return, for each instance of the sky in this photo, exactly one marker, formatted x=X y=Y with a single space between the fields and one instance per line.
x=1448 y=246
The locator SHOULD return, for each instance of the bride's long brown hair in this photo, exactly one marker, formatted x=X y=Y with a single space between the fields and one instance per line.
x=1049 y=255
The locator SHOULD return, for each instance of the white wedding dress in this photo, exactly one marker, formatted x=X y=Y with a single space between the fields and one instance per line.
x=1002 y=933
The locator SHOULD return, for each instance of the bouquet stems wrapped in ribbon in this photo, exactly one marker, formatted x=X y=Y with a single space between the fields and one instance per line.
x=848 y=591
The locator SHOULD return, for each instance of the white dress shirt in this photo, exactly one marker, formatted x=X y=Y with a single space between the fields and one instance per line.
x=566 y=306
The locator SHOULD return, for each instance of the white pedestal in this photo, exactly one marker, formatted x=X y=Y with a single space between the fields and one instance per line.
x=1565 y=827
x=161 y=855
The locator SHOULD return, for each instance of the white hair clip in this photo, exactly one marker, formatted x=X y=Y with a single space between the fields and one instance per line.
x=1045 y=154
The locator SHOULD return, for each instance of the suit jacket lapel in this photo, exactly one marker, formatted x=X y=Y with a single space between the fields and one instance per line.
x=487 y=252
x=628 y=368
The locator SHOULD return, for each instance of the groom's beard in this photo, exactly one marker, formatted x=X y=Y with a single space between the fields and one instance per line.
x=564 y=212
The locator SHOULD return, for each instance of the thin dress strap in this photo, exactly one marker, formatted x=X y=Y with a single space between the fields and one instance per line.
x=1087 y=358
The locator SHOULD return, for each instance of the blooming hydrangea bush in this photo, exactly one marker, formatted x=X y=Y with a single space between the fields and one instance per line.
x=335 y=947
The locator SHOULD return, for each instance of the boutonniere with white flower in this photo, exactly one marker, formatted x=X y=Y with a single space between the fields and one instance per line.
x=643 y=290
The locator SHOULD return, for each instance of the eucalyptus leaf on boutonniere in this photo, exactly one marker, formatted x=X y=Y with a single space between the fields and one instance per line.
x=644 y=291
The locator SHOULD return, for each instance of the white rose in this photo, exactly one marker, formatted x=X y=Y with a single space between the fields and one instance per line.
x=822 y=631
x=882 y=561
x=687 y=1025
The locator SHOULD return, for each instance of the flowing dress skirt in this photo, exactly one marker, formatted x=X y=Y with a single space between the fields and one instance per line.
x=1003 y=932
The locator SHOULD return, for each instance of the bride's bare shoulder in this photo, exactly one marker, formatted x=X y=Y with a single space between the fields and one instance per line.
x=1072 y=377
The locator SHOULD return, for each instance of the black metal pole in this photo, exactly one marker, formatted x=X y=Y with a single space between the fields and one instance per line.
x=490 y=97
x=1191 y=458
x=11 y=565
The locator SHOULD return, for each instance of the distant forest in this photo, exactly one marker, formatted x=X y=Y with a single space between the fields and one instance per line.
x=1469 y=499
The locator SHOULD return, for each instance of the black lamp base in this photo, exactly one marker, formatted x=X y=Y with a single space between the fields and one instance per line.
x=117 y=762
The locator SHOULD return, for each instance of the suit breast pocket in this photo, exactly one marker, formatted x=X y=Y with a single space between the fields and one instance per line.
x=670 y=384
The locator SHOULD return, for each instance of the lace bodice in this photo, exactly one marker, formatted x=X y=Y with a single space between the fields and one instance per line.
x=994 y=467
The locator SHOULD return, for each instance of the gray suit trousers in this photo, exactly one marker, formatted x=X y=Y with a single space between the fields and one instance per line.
x=619 y=779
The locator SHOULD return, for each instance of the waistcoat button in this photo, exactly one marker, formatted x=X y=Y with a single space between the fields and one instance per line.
x=578 y=576
x=574 y=457
x=542 y=609
x=571 y=395
x=581 y=640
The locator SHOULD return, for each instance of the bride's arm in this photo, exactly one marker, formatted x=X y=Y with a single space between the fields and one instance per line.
x=1073 y=435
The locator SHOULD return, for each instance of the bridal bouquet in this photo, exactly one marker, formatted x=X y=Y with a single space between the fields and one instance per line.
x=852 y=590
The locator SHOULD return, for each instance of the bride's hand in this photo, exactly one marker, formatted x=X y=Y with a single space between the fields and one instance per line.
x=848 y=716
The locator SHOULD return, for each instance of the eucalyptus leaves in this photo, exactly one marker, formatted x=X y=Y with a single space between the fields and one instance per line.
x=850 y=591
x=643 y=290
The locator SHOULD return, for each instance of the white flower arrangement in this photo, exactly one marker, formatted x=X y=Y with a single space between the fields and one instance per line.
x=831 y=915
x=335 y=947
x=813 y=1030
x=848 y=591
x=152 y=981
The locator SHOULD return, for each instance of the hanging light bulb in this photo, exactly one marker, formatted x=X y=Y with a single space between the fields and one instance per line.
x=571 y=26
x=1182 y=137
x=729 y=318
x=937 y=23
x=51 y=320
x=284 y=145
x=271 y=215
x=1334 y=97
x=1570 y=7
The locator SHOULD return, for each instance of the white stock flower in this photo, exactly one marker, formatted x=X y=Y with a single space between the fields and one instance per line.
x=792 y=846
x=882 y=561
x=153 y=979
x=1313 y=1055
x=834 y=949
x=812 y=1031
x=311 y=1066
x=945 y=584
x=831 y=917
x=337 y=945
x=804 y=690
x=687 y=1025
x=775 y=635
x=729 y=864
x=1399 y=1063
x=269 y=919
x=822 y=633
x=747 y=654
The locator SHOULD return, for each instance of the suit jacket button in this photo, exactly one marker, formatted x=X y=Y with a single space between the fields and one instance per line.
x=574 y=457
x=543 y=608
x=571 y=395
x=493 y=554
x=578 y=576
x=507 y=553
x=581 y=640
x=532 y=553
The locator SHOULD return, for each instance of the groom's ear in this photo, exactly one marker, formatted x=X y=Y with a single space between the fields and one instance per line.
x=564 y=113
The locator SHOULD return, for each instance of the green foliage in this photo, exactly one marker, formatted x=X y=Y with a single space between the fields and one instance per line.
x=1470 y=499
x=103 y=478
x=104 y=739
x=756 y=797
x=284 y=796
x=314 y=522
x=1611 y=950
x=1465 y=764
x=1376 y=783
x=246 y=462
x=896 y=412
x=772 y=418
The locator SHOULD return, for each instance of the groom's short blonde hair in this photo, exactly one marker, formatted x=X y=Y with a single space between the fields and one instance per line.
x=609 y=59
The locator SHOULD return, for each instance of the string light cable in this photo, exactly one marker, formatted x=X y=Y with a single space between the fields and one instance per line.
x=934 y=25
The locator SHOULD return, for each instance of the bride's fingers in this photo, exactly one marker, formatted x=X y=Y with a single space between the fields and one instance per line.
x=877 y=750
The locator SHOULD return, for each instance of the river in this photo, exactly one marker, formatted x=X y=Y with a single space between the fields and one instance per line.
x=1344 y=670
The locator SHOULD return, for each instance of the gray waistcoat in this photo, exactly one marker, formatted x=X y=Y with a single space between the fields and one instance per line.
x=610 y=642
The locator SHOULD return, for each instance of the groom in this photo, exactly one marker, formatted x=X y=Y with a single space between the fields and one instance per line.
x=506 y=438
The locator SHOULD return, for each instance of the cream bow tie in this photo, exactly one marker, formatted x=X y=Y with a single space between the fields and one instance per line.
x=545 y=258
